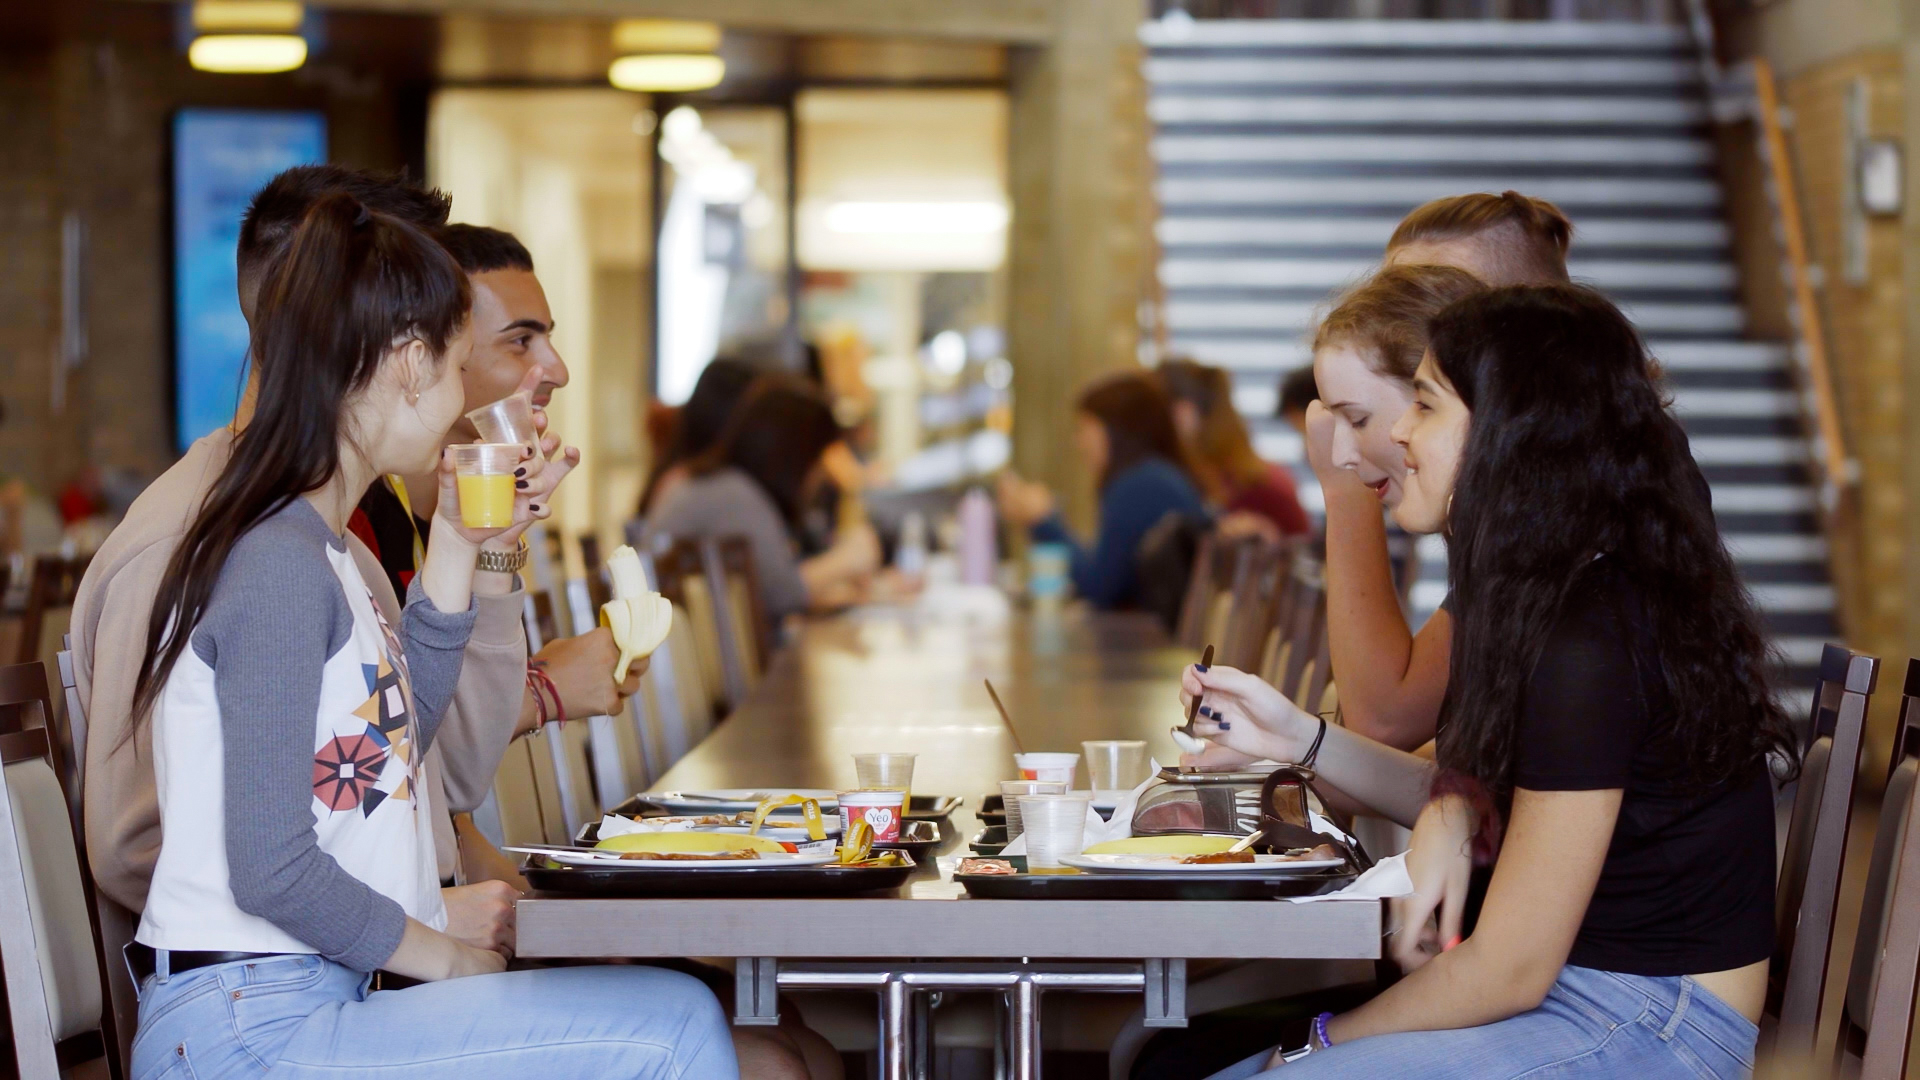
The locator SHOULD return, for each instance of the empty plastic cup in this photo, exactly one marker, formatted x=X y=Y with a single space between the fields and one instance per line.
x=1116 y=764
x=1059 y=767
x=1010 y=792
x=1056 y=825
x=484 y=475
x=893 y=771
x=509 y=420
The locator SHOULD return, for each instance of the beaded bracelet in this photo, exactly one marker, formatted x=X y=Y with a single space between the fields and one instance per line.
x=1320 y=1030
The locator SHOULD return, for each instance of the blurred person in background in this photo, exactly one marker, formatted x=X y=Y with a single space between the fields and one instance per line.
x=1126 y=438
x=698 y=424
x=757 y=481
x=1235 y=479
x=1297 y=391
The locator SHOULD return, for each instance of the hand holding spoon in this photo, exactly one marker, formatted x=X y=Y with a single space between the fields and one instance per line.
x=1184 y=736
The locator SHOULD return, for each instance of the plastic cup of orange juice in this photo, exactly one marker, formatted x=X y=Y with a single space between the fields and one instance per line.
x=484 y=474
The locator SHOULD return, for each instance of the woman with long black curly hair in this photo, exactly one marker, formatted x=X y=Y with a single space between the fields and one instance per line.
x=1604 y=742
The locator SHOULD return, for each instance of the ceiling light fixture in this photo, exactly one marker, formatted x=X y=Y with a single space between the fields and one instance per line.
x=667 y=73
x=241 y=16
x=665 y=36
x=247 y=54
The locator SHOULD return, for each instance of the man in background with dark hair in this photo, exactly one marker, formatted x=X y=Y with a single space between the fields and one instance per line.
x=117 y=595
x=1297 y=391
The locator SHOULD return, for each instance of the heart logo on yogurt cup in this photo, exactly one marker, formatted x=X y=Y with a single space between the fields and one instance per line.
x=880 y=817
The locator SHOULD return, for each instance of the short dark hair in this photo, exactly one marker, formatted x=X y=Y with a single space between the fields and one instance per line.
x=1298 y=390
x=480 y=250
x=278 y=209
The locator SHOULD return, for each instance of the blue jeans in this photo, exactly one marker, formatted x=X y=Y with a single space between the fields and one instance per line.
x=1593 y=1023
x=305 y=1017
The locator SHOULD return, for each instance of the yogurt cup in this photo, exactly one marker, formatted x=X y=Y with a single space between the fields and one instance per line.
x=1056 y=767
x=881 y=809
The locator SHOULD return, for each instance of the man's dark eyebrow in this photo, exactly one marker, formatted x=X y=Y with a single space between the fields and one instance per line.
x=528 y=324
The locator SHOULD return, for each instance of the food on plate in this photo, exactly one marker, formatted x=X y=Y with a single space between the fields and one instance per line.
x=672 y=843
x=1172 y=844
x=987 y=867
x=1312 y=854
x=1218 y=857
x=691 y=856
x=639 y=618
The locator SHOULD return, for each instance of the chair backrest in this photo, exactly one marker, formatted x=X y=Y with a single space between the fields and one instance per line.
x=1305 y=628
x=1212 y=572
x=618 y=767
x=1876 y=1015
x=751 y=628
x=1809 y=885
x=49 y=611
x=563 y=780
x=737 y=669
x=682 y=578
x=50 y=948
x=76 y=733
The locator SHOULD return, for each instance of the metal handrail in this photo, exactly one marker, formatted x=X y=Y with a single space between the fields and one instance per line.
x=1831 y=453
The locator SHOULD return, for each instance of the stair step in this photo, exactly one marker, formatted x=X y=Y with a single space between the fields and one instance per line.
x=1411 y=34
x=1399 y=194
x=1532 y=151
x=1273 y=356
x=1784 y=599
x=1745 y=548
x=1676 y=74
x=1323 y=110
x=1290 y=318
x=1749 y=450
x=1617 y=275
x=1742 y=403
x=1370 y=234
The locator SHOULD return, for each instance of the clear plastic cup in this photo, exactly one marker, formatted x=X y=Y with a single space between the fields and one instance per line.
x=1059 y=767
x=881 y=810
x=886 y=771
x=1056 y=825
x=509 y=420
x=484 y=475
x=1116 y=764
x=1010 y=792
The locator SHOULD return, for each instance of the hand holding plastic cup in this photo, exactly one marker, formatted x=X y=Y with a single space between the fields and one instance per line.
x=877 y=771
x=509 y=420
x=1056 y=826
x=1116 y=764
x=483 y=473
x=1012 y=790
x=881 y=810
x=1059 y=767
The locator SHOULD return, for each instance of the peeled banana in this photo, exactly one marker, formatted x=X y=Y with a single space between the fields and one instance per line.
x=639 y=618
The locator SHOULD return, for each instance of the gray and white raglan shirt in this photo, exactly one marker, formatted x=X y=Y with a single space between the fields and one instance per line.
x=289 y=746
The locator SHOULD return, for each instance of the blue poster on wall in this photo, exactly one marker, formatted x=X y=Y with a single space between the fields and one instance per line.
x=220 y=158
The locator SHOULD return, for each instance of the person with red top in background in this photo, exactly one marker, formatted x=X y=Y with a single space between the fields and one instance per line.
x=1253 y=494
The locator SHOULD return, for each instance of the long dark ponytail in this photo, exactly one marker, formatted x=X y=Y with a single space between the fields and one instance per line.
x=351 y=286
x=1572 y=453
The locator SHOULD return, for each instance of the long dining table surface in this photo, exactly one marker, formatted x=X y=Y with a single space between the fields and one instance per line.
x=911 y=678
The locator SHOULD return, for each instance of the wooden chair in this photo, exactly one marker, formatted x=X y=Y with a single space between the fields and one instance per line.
x=618 y=761
x=562 y=776
x=1301 y=624
x=746 y=626
x=49 y=611
x=1809 y=886
x=1259 y=575
x=50 y=946
x=1876 y=1014
x=1204 y=612
x=682 y=576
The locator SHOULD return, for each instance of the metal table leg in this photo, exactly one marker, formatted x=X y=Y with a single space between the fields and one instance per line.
x=1026 y=1029
x=895 y=1045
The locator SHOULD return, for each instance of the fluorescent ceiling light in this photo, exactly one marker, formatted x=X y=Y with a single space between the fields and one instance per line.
x=916 y=217
x=247 y=54
x=665 y=36
x=216 y=16
x=671 y=73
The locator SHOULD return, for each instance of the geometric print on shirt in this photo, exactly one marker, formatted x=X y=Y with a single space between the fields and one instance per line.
x=358 y=770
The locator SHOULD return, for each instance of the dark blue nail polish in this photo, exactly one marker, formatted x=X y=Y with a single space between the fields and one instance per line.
x=1206 y=712
x=1226 y=725
x=1200 y=667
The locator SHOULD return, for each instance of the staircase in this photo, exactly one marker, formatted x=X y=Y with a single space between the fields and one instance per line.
x=1289 y=149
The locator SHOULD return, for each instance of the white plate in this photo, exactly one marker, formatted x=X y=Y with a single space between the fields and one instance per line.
x=611 y=860
x=1129 y=864
x=776 y=827
x=723 y=800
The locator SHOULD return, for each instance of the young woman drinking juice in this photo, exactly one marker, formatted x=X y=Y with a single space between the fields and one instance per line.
x=290 y=723
x=1605 y=739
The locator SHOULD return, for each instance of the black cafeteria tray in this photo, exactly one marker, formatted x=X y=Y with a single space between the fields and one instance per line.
x=922 y=807
x=778 y=882
x=1148 y=886
x=916 y=835
x=989 y=841
x=993 y=810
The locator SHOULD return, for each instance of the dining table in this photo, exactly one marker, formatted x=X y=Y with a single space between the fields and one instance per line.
x=912 y=678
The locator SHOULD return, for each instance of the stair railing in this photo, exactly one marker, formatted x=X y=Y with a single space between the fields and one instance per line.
x=1730 y=100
